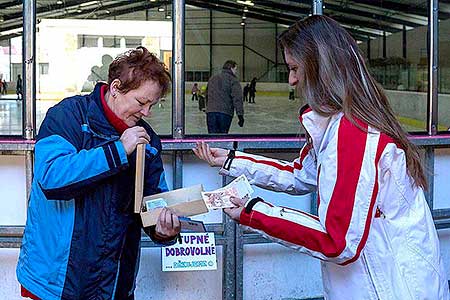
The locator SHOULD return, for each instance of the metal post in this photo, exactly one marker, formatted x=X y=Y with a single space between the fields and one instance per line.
x=239 y=263
x=239 y=253
x=229 y=261
x=404 y=43
x=29 y=67
x=10 y=61
x=210 y=42
x=317 y=7
x=177 y=167
x=178 y=70
x=433 y=57
x=276 y=53
x=243 y=53
x=314 y=205
x=384 y=44
x=229 y=256
x=429 y=173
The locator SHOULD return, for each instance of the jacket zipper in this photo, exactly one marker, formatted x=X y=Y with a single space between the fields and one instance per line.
x=289 y=211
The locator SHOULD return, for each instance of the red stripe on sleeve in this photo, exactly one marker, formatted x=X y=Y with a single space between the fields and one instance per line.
x=270 y=163
x=303 y=213
x=290 y=232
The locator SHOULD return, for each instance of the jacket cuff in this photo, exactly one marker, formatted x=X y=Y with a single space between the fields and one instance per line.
x=115 y=155
x=167 y=243
x=151 y=232
x=245 y=218
x=122 y=153
x=229 y=160
x=247 y=212
x=227 y=168
x=250 y=203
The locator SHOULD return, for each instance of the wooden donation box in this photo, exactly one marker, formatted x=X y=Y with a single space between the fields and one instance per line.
x=184 y=202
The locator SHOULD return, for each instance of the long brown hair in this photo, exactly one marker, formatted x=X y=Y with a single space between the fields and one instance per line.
x=336 y=78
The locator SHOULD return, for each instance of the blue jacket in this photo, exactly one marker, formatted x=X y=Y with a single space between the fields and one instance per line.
x=82 y=239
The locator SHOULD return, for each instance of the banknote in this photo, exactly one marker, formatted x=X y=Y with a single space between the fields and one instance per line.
x=220 y=198
x=242 y=186
x=155 y=203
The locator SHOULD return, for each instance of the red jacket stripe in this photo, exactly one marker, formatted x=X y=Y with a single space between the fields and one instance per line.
x=273 y=164
x=297 y=233
x=383 y=141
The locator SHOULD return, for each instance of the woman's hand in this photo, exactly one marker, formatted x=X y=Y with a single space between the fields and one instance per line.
x=168 y=225
x=235 y=212
x=215 y=157
x=133 y=136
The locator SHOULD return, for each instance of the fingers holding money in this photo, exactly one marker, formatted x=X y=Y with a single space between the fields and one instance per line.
x=237 y=201
x=234 y=213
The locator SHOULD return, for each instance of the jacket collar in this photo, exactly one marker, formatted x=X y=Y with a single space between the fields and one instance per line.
x=96 y=116
x=315 y=125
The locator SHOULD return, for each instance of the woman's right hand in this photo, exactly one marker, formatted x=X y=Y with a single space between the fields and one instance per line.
x=133 y=136
x=215 y=157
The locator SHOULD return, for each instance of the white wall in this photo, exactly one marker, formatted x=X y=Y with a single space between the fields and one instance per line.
x=12 y=190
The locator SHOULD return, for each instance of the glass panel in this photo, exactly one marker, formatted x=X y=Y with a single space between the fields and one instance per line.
x=444 y=67
x=391 y=34
x=75 y=46
x=393 y=37
x=11 y=88
x=213 y=35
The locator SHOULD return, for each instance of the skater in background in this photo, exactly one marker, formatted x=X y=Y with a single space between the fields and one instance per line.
x=19 y=87
x=194 y=92
x=252 y=91
x=246 y=90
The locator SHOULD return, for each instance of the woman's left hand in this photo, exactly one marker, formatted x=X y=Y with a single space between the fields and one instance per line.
x=235 y=212
x=168 y=225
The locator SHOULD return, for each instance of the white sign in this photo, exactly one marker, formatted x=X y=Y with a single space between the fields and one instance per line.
x=197 y=252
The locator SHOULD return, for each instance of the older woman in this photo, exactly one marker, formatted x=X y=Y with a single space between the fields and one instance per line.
x=81 y=239
x=374 y=232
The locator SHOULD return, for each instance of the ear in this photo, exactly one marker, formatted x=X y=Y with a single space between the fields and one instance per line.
x=114 y=87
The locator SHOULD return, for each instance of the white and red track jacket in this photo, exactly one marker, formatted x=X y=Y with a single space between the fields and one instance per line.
x=374 y=233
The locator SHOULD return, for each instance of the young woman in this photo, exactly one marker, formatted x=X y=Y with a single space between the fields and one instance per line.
x=374 y=231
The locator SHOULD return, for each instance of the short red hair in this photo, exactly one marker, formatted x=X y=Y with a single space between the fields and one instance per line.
x=136 y=66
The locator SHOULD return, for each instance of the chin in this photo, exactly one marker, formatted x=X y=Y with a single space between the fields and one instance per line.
x=131 y=123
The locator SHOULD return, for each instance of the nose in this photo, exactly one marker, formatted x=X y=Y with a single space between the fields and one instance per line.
x=292 y=79
x=146 y=110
